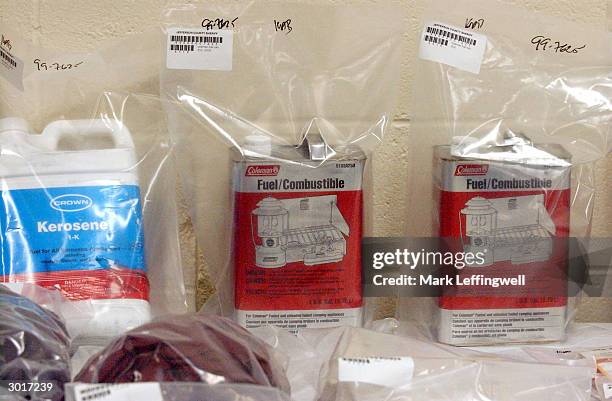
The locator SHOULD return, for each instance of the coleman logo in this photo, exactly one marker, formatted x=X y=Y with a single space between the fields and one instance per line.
x=471 y=169
x=71 y=203
x=262 y=171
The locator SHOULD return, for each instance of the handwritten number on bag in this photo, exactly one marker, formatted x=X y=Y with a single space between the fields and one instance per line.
x=44 y=66
x=543 y=43
x=283 y=26
x=218 y=23
x=471 y=23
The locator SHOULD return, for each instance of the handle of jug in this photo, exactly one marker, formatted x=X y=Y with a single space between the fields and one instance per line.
x=63 y=129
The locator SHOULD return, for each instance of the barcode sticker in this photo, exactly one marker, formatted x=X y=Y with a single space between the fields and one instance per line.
x=200 y=49
x=11 y=67
x=607 y=390
x=116 y=392
x=459 y=48
x=388 y=372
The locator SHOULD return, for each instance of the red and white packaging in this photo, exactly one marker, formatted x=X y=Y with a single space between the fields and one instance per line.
x=517 y=217
x=297 y=242
x=305 y=271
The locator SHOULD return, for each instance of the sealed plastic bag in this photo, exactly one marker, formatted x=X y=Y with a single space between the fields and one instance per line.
x=88 y=184
x=69 y=129
x=604 y=388
x=173 y=392
x=34 y=350
x=482 y=381
x=368 y=365
x=184 y=348
x=518 y=103
x=78 y=314
x=81 y=205
x=311 y=354
x=520 y=225
x=277 y=108
x=50 y=85
x=548 y=80
x=587 y=345
x=304 y=358
x=359 y=364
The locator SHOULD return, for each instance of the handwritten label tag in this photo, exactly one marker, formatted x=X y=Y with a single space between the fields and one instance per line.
x=200 y=49
x=388 y=372
x=447 y=44
x=11 y=67
x=118 y=392
x=607 y=390
x=543 y=43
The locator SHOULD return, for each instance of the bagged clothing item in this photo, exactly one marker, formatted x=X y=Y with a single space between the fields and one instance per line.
x=34 y=348
x=284 y=248
x=173 y=392
x=186 y=348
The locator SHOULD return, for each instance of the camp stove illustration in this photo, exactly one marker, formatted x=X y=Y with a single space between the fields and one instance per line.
x=518 y=229
x=310 y=230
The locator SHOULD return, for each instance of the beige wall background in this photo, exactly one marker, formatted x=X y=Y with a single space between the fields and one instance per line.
x=82 y=25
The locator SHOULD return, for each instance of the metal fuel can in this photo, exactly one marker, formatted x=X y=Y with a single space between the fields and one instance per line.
x=517 y=217
x=297 y=237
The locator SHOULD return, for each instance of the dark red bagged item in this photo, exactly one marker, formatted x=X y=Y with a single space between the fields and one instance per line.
x=173 y=392
x=186 y=348
x=34 y=350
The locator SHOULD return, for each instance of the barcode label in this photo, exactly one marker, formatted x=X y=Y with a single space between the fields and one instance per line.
x=181 y=48
x=445 y=35
x=438 y=41
x=7 y=58
x=459 y=48
x=196 y=39
x=388 y=372
x=199 y=49
x=114 y=392
x=11 y=68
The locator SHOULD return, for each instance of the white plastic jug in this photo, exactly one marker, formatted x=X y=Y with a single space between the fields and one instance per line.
x=72 y=219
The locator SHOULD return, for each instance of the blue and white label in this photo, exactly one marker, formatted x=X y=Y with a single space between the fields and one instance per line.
x=75 y=228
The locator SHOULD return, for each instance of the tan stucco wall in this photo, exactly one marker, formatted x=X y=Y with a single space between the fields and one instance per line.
x=80 y=25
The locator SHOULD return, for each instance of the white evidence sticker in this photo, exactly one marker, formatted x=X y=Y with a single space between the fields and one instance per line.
x=11 y=67
x=447 y=44
x=118 y=392
x=388 y=372
x=199 y=49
